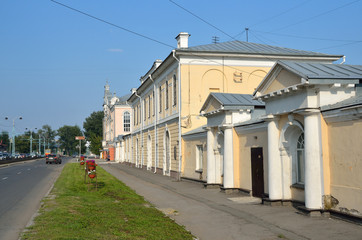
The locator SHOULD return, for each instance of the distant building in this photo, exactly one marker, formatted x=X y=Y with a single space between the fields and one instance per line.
x=116 y=122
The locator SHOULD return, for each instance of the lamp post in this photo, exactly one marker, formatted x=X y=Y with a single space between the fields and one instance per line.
x=31 y=139
x=13 y=135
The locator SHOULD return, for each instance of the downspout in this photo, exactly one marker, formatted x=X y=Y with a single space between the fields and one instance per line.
x=179 y=113
x=141 y=110
x=155 y=121
x=344 y=60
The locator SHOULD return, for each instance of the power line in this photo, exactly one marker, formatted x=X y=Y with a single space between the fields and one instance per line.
x=151 y=39
x=193 y=14
x=316 y=16
x=335 y=46
x=280 y=14
x=112 y=24
x=304 y=37
x=275 y=16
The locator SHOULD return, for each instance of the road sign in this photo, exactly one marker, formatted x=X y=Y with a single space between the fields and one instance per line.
x=79 y=138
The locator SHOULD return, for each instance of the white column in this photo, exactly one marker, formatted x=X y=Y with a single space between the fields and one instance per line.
x=313 y=185
x=228 y=157
x=211 y=171
x=274 y=161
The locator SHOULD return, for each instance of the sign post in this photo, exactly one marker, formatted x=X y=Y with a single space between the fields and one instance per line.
x=80 y=138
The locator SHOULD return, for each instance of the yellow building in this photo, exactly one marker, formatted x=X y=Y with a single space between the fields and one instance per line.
x=168 y=137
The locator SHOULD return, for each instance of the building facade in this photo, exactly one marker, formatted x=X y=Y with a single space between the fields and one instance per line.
x=116 y=123
x=166 y=106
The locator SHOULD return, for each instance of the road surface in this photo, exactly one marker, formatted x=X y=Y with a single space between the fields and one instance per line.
x=22 y=187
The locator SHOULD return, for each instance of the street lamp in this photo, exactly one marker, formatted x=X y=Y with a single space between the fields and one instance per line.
x=31 y=139
x=13 y=135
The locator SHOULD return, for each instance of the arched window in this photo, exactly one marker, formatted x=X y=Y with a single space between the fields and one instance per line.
x=300 y=159
x=126 y=122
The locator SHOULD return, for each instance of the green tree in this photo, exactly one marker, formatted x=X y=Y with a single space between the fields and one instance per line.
x=4 y=138
x=93 y=126
x=48 y=135
x=22 y=144
x=67 y=140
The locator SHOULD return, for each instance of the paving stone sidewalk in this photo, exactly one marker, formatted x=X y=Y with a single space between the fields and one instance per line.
x=210 y=214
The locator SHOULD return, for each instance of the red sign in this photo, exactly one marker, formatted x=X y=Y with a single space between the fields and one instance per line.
x=79 y=138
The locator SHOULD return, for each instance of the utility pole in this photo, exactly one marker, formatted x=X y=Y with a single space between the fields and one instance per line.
x=247 y=34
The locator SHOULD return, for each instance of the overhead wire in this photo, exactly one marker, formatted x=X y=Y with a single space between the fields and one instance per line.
x=193 y=14
x=112 y=24
x=280 y=14
x=316 y=16
x=148 y=38
x=305 y=37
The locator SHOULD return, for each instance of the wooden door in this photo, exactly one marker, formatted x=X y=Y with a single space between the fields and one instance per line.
x=257 y=172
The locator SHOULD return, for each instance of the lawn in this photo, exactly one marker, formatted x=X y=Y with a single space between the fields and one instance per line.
x=75 y=210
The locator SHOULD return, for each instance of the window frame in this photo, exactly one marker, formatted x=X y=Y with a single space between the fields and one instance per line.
x=199 y=157
x=166 y=96
x=300 y=157
x=126 y=117
x=174 y=85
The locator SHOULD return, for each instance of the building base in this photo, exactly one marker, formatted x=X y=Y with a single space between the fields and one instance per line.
x=211 y=185
x=276 y=202
x=229 y=190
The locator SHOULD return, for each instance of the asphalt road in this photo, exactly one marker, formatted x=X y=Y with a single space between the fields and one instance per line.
x=22 y=187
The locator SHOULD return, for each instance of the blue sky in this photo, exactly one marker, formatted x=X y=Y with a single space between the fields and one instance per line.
x=54 y=61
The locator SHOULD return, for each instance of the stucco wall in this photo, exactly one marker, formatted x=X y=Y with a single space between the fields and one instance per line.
x=199 y=80
x=189 y=163
x=258 y=138
x=346 y=164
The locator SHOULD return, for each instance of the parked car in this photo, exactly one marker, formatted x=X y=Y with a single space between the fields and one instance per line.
x=52 y=158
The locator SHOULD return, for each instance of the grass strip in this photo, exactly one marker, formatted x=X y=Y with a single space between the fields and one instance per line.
x=75 y=210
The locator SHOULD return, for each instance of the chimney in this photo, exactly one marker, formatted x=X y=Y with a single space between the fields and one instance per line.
x=183 y=40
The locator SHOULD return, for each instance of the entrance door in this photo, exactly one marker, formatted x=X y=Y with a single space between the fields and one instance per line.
x=257 y=172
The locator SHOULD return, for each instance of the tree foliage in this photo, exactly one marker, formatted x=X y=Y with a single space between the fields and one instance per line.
x=4 y=139
x=67 y=140
x=93 y=126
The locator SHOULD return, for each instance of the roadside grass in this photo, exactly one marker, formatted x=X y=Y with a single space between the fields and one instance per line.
x=75 y=210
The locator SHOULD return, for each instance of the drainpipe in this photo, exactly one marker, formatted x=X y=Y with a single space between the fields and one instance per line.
x=155 y=121
x=141 y=110
x=179 y=113
x=344 y=60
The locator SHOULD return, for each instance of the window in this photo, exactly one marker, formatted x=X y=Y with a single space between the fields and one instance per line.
x=166 y=96
x=126 y=122
x=139 y=113
x=149 y=106
x=160 y=97
x=199 y=157
x=134 y=116
x=174 y=91
x=300 y=159
x=144 y=109
x=153 y=103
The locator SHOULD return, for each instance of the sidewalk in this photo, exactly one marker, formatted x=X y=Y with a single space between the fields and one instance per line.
x=210 y=214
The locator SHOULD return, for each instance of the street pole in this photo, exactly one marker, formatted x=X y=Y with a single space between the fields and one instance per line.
x=80 y=147
x=31 y=139
x=13 y=135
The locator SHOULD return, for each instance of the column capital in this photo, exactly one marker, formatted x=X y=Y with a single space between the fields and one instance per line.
x=308 y=111
x=270 y=117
